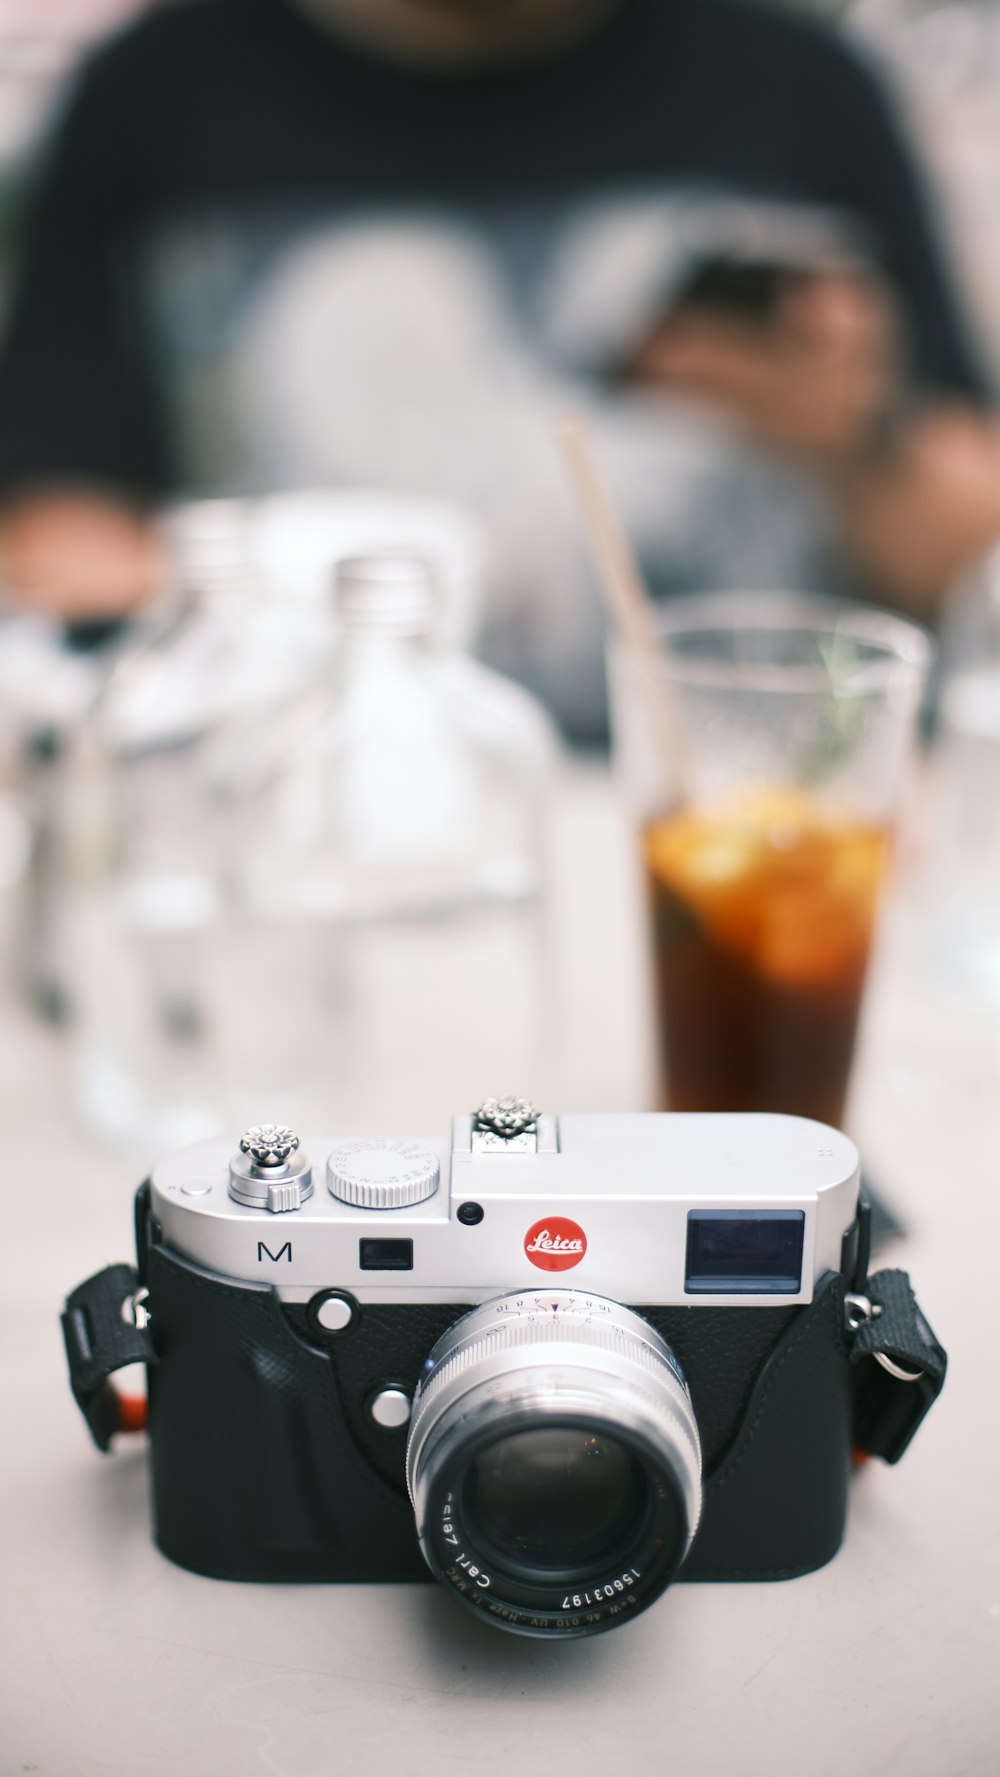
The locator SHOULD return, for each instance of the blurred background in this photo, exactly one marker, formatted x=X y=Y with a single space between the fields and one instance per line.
x=944 y=56
x=304 y=721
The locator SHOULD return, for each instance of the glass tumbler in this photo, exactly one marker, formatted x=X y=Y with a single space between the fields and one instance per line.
x=762 y=740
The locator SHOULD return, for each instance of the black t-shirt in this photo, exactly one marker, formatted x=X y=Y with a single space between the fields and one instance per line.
x=264 y=258
x=246 y=107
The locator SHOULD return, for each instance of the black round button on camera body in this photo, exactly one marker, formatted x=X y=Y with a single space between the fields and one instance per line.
x=471 y=1214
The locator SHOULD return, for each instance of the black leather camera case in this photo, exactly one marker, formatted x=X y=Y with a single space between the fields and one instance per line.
x=267 y=1465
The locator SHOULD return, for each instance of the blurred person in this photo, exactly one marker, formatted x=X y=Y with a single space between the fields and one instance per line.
x=289 y=242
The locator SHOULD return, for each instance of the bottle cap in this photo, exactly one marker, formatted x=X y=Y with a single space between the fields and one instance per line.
x=210 y=546
x=392 y=593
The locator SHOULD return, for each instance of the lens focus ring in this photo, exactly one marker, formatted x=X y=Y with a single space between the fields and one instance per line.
x=524 y=1335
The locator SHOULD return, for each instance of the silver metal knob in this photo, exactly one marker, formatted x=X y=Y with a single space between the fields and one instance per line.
x=382 y=1174
x=334 y=1314
x=506 y=1117
x=269 y=1144
x=391 y=1408
x=268 y=1173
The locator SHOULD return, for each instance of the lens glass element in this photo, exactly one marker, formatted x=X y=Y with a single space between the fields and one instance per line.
x=556 y=1497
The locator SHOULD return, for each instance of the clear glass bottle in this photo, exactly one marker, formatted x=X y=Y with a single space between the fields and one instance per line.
x=139 y=832
x=961 y=861
x=385 y=865
x=50 y=675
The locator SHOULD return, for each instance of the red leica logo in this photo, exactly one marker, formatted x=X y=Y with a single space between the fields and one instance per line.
x=555 y=1244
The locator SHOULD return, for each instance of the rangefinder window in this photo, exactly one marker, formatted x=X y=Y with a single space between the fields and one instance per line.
x=744 y=1252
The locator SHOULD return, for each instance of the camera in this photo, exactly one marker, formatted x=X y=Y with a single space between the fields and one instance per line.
x=556 y=1362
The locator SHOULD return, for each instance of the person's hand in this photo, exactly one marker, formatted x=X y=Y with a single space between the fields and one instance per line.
x=77 y=554
x=817 y=378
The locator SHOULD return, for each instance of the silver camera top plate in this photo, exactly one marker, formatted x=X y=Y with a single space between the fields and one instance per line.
x=649 y=1208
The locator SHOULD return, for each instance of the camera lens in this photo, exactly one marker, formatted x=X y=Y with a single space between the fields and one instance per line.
x=557 y=1496
x=554 y=1463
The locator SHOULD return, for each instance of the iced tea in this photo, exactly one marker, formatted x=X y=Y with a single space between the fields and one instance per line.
x=762 y=917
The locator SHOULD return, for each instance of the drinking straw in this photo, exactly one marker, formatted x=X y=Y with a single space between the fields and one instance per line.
x=629 y=605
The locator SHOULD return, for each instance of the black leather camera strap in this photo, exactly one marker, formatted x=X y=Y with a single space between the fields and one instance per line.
x=900 y=1364
x=105 y=1329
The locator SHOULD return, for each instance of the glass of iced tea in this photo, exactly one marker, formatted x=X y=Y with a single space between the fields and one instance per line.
x=762 y=740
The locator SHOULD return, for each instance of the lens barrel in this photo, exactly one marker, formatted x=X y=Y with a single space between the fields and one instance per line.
x=553 y=1463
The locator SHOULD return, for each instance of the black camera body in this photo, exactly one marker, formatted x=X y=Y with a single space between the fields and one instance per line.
x=327 y=1403
x=267 y=1464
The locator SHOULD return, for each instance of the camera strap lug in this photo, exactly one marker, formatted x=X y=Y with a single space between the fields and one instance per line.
x=106 y=1326
x=858 y=1309
x=134 y=1311
x=892 y=1395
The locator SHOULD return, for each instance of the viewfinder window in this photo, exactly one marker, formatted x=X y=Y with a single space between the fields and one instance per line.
x=751 y=1252
x=385 y=1255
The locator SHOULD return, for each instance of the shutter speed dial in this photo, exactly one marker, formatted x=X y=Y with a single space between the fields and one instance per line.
x=382 y=1174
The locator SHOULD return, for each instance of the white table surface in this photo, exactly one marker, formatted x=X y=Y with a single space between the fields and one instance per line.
x=887 y=1661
